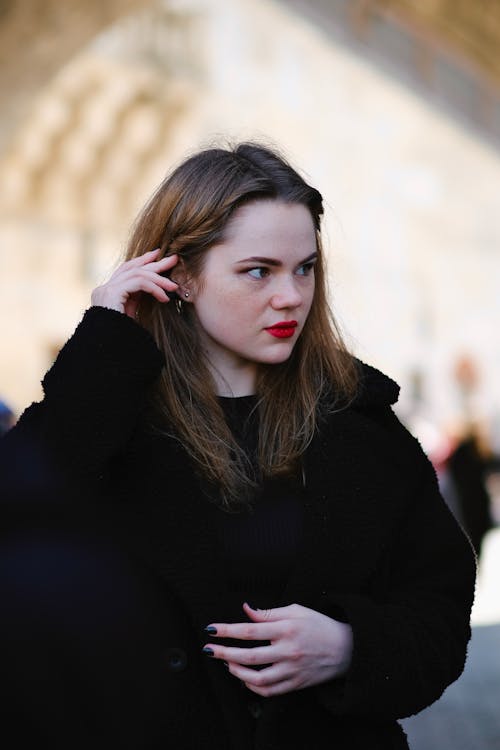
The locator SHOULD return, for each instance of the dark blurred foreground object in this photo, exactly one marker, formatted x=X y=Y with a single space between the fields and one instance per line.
x=467 y=469
x=7 y=418
x=93 y=653
x=96 y=652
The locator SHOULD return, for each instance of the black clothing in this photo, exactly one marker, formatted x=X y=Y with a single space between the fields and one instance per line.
x=377 y=548
x=259 y=543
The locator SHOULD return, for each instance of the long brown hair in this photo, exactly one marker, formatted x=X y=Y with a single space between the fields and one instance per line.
x=187 y=215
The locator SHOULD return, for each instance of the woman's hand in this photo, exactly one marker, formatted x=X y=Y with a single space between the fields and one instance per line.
x=133 y=278
x=306 y=648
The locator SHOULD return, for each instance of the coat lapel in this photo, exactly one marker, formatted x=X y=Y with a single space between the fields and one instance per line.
x=347 y=506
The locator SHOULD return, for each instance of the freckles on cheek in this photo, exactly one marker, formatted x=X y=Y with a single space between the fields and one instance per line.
x=233 y=304
x=226 y=313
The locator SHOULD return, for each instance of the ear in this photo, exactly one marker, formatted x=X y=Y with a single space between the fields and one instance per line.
x=180 y=275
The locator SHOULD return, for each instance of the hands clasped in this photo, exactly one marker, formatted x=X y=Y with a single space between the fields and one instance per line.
x=306 y=648
x=133 y=278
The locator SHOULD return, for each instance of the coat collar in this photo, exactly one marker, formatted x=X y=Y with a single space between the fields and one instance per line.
x=375 y=388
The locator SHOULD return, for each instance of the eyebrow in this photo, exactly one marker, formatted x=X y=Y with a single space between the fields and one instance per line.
x=273 y=261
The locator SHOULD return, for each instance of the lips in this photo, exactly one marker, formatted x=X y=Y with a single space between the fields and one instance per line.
x=283 y=330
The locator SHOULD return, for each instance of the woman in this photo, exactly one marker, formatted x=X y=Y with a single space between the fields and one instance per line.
x=290 y=529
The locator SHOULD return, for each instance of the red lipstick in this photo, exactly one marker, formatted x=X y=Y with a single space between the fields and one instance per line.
x=283 y=330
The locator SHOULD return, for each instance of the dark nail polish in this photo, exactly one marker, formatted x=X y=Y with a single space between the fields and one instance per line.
x=208 y=651
x=211 y=629
x=255 y=609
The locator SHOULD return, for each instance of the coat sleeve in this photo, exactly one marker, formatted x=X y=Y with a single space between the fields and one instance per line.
x=93 y=395
x=410 y=635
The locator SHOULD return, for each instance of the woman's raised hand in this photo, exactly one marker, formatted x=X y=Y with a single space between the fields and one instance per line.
x=133 y=278
x=306 y=648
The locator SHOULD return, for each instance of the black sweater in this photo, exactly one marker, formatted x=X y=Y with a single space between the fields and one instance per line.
x=260 y=541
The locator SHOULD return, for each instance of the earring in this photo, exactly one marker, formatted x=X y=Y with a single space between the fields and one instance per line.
x=186 y=294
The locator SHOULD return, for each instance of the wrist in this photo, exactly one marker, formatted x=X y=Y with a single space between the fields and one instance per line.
x=98 y=299
x=344 y=649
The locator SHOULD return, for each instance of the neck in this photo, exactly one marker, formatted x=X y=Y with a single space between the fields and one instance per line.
x=234 y=376
x=235 y=382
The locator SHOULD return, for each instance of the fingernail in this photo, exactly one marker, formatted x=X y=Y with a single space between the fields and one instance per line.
x=211 y=629
x=255 y=609
x=208 y=651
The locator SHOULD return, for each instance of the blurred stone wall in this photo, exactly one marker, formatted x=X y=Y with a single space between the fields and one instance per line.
x=411 y=192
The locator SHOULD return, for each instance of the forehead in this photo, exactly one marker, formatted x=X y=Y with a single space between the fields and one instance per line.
x=273 y=224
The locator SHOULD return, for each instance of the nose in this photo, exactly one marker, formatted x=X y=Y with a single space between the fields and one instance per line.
x=285 y=294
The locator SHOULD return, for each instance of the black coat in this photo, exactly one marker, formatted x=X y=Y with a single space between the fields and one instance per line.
x=380 y=550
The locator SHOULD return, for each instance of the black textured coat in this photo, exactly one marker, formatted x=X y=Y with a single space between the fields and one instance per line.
x=380 y=550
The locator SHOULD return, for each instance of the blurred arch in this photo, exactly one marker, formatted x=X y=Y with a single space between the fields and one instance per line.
x=140 y=84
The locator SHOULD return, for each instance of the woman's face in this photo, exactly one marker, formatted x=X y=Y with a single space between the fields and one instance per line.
x=255 y=291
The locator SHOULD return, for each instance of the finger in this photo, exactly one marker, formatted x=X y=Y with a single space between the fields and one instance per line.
x=158 y=292
x=148 y=256
x=146 y=261
x=279 y=688
x=168 y=260
x=141 y=260
x=136 y=279
x=274 y=683
x=149 y=259
x=246 y=631
x=163 y=264
x=166 y=282
x=272 y=615
x=251 y=656
x=148 y=285
x=260 y=678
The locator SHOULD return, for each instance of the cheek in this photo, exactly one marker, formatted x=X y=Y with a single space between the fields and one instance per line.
x=308 y=299
x=229 y=299
x=224 y=310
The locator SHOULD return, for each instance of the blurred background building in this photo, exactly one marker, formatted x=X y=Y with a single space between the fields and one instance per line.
x=390 y=107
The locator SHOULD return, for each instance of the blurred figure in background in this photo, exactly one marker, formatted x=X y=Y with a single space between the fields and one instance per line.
x=467 y=467
x=468 y=462
x=461 y=457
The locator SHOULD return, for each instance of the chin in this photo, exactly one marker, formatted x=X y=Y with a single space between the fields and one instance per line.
x=278 y=356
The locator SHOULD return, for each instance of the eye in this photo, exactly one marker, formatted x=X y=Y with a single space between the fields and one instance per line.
x=306 y=268
x=258 y=273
